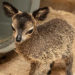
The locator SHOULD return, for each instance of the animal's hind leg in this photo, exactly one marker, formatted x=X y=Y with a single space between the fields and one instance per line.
x=69 y=62
x=69 y=67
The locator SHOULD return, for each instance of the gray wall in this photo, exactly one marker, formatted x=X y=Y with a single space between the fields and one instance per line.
x=23 y=5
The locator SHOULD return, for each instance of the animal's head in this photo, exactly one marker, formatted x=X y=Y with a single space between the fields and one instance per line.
x=23 y=24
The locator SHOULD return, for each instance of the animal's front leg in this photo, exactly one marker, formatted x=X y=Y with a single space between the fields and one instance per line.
x=42 y=69
x=59 y=68
x=34 y=68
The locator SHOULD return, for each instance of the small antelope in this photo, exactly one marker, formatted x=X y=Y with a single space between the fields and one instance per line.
x=41 y=45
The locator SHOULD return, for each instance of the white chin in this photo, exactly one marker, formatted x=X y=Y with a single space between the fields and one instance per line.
x=19 y=42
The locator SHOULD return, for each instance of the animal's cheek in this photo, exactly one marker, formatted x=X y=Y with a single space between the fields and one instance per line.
x=25 y=37
x=14 y=34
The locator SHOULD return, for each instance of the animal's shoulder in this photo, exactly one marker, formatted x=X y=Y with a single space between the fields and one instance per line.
x=57 y=25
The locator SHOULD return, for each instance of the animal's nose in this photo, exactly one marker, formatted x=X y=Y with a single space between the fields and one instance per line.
x=18 y=38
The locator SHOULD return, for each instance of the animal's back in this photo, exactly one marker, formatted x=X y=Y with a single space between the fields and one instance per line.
x=53 y=40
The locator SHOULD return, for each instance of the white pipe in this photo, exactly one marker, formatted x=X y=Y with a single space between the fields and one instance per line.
x=8 y=48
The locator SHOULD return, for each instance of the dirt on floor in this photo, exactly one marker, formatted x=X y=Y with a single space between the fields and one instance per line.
x=13 y=64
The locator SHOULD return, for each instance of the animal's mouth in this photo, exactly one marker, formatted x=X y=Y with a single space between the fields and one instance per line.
x=18 y=42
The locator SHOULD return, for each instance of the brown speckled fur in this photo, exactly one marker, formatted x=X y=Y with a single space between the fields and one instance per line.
x=55 y=36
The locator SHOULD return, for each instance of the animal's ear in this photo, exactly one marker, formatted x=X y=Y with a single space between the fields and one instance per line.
x=9 y=9
x=41 y=13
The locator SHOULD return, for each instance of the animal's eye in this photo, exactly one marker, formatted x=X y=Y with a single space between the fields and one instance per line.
x=13 y=28
x=30 y=31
